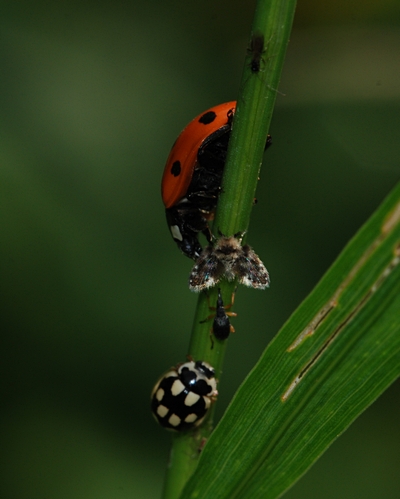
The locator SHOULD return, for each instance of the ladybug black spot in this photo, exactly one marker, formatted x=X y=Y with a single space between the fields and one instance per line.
x=176 y=168
x=207 y=118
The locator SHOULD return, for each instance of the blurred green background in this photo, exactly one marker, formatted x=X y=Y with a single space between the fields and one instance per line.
x=94 y=297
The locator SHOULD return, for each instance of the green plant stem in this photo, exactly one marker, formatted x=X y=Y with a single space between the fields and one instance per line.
x=253 y=116
x=273 y=19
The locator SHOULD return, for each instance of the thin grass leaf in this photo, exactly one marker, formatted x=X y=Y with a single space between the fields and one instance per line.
x=273 y=19
x=336 y=354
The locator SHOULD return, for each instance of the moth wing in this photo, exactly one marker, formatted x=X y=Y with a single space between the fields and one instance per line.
x=206 y=272
x=250 y=270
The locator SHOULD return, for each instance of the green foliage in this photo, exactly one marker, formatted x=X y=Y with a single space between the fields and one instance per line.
x=332 y=358
x=336 y=354
x=273 y=20
x=94 y=296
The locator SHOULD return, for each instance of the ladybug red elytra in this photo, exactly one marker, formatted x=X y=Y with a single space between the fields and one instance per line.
x=192 y=176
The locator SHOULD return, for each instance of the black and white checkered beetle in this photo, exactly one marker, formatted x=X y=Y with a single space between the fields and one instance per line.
x=181 y=398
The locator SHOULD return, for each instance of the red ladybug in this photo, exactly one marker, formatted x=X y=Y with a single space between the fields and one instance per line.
x=192 y=177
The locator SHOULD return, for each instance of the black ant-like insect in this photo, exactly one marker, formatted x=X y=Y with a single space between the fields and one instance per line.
x=222 y=326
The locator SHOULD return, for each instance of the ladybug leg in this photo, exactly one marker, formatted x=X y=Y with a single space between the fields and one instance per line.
x=208 y=234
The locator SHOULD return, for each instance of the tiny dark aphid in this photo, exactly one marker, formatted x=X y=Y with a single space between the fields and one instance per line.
x=222 y=326
x=256 y=51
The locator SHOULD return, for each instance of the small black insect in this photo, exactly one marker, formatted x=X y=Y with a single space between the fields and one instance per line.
x=222 y=326
x=229 y=259
x=256 y=51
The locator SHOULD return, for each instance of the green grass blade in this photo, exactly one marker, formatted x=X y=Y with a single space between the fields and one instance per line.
x=273 y=19
x=334 y=356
